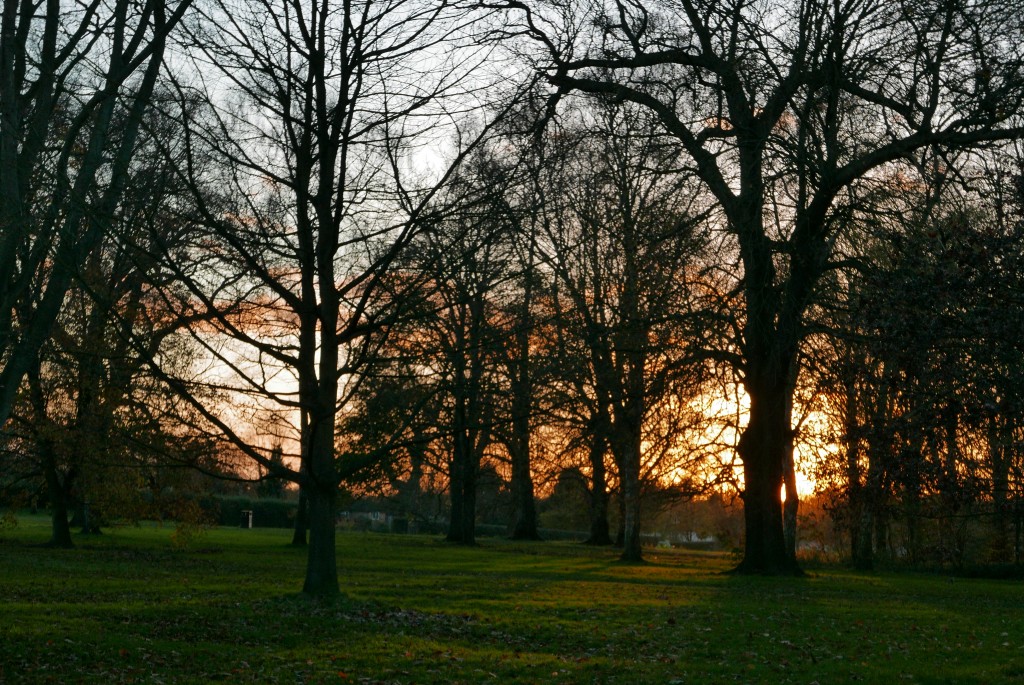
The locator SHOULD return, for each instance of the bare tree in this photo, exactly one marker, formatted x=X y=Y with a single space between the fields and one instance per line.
x=469 y=259
x=518 y=362
x=917 y=365
x=92 y=408
x=298 y=164
x=75 y=82
x=624 y=251
x=786 y=109
x=507 y=179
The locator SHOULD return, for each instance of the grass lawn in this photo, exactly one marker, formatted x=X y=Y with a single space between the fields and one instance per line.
x=128 y=607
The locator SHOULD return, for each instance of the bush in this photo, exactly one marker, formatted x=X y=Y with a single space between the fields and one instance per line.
x=8 y=520
x=192 y=522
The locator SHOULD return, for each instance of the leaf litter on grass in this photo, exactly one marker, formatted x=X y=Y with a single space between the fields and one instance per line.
x=128 y=609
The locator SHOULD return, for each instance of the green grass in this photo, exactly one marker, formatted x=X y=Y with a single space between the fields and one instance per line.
x=127 y=607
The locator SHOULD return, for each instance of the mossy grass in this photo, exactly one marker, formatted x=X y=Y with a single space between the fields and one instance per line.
x=130 y=606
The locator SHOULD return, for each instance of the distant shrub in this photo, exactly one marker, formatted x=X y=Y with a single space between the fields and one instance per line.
x=191 y=523
x=8 y=520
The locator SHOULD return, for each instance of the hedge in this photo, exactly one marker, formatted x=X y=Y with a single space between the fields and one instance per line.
x=266 y=512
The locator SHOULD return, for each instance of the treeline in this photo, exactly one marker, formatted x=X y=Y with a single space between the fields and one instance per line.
x=665 y=250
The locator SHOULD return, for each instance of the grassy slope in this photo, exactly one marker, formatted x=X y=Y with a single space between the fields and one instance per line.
x=126 y=607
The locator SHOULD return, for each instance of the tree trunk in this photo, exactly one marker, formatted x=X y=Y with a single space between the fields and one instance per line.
x=630 y=472
x=321 y=561
x=863 y=551
x=764 y=546
x=469 y=507
x=87 y=519
x=912 y=508
x=58 y=489
x=1000 y=546
x=524 y=509
x=322 y=490
x=1018 y=530
x=858 y=492
x=524 y=526
x=859 y=523
x=455 y=493
x=627 y=445
x=881 y=525
x=299 y=534
x=458 y=475
x=410 y=490
x=869 y=498
x=791 y=506
x=60 y=528
x=92 y=422
x=462 y=527
x=600 y=534
x=762 y=448
x=620 y=533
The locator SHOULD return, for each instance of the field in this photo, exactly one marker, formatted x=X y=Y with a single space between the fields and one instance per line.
x=128 y=606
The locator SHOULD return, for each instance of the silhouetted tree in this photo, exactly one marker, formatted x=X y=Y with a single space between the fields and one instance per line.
x=75 y=83
x=298 y=169
x=786 y=110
